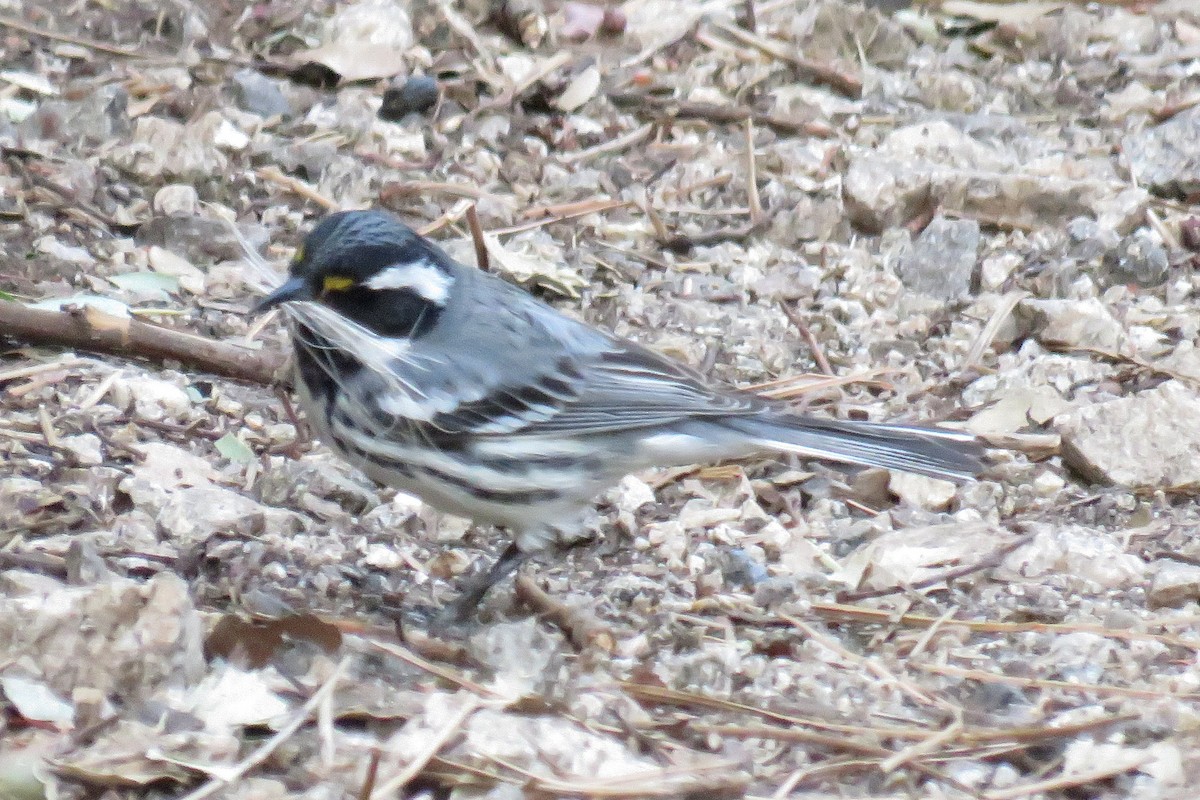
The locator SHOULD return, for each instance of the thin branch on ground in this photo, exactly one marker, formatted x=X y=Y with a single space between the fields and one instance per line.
x=1101 y=690
x=991 y=330
x=581 y=627
x=946 y=577
x=822 y=74
x=754 y=197
x=886 y=616
x=368 y=784
x=718 y=113
x=1070 y=781
x=298 y=187
x=264 y=751
x=481 y=254
x=439 y=670
x=683 y=242
x=78 y=41
x=436 y=742
x=92 y=330
x=806 y=332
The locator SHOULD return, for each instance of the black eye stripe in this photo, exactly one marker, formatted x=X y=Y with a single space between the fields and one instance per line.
x=387 y=312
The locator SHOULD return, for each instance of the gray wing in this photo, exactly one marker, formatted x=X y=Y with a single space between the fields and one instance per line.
x=527 y=369
x=622 y=388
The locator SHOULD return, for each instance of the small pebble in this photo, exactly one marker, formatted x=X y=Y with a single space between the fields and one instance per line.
x=416 y=96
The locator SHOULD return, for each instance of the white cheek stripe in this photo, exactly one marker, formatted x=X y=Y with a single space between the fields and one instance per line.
x=426 y=279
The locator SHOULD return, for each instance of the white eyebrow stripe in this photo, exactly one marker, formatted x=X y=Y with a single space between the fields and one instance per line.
x=426 y=279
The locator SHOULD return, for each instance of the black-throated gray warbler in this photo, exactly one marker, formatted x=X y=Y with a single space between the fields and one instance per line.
x=447 y=382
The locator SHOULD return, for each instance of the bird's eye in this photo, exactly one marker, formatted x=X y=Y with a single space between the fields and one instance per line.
x=337 y=283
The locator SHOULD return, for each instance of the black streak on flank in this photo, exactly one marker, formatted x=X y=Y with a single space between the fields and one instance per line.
x=312 y=368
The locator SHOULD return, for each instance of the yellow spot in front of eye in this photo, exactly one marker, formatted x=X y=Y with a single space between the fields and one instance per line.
x=296 y=259
x=337 y=283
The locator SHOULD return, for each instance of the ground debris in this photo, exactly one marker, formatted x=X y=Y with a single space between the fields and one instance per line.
x=981 y=214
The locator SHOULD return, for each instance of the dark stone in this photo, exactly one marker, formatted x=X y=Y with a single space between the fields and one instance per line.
x=415 y=96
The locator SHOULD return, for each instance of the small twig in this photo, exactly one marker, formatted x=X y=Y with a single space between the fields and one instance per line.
x=581 y=628
x=875 y=752
x=393 y=191
x=1034 y=734
x=813 y=344
x=431 y=648
x=1045 y=683
x=715 y=182
x=1170 y=239
x=47 y=425
x=683 y=243
x=540 y=71
x=815 y=71
x=581 y=209
x=436 y=742
x=90 y=44
x=191 y=431
x=942 y=577
x=34 y=562
x=871 y=664
x=656 y=221
x=808 y=382
x=88 y=328
x=437 y=670
x=1028 y=735
x=368 y=786
x=1165 y=112
x=923 y=748
x=97 y=394
x=883 y=616
x=1037 y=446
x=718 y=777
x=609 y=146
x=1069 y=781
x=325 y=730
x=754 y=200
x=37 y=383
x=21 y=436
x=987 y=220
x=1122 y=358
x=261 y=753
x=984 y=340
x=566 y=210
x=481 y=253
x=675 y=697
x=456 y=212
x=863 y=507
x=927 y=635
x=37 y=369
x=463 y=27
x=297 y=186
x=722 y=114
x=834 y=742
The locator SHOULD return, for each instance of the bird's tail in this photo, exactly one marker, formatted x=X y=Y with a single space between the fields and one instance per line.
x=936 y=452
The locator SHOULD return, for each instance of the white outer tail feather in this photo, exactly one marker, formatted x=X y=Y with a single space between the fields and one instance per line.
x=934 y=452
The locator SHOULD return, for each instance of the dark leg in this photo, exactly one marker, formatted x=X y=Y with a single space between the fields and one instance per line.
x=473 y=592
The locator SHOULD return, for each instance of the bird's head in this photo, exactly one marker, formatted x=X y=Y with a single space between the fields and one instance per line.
x=371 y=268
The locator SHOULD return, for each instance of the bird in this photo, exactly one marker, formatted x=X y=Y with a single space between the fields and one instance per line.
x=447 y=382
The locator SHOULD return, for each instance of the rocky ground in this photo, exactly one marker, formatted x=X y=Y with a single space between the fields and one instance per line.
x=976 y=214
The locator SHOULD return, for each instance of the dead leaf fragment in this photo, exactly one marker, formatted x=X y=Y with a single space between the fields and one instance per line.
x=528 y=270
